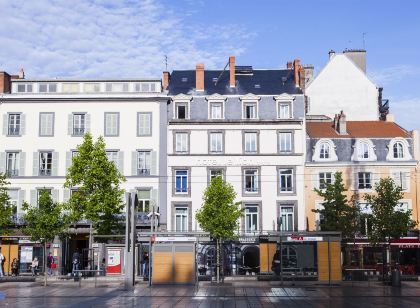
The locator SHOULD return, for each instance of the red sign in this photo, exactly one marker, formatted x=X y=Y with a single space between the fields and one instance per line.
x=114 y=261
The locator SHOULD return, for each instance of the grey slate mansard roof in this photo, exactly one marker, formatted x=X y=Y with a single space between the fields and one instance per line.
x=271 y=82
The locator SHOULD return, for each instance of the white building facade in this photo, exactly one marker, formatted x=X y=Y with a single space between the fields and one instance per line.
x=246 y=125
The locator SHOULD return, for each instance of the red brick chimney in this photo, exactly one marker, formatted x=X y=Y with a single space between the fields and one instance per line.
x=232 y=82
x=4 y=82
x=199 y=77
x=296 y=66
x=165 y=80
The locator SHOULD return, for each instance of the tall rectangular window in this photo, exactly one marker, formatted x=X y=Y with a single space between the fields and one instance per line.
x=144 y=201
x=113 y=157
x=365 y=180
x=12 y=164
x=14 y=124
x=46 y=124
x=284 y=111
x=250 y=111
x=216 y=142
x=144 y=162
x=181 y=142
x=181 y=111
x=79 y=124
x=401 y=179
x=286 y=180
x=251 y=219
x=287 y=218
x=216 y=111
x=112 y=124
x=251 y=142
x=181 y=181
x=181 y=219
x=285 y=142
x=144 y=124
x=325 y=178
x=45 y=163
x=251 y=180
x=14 y=201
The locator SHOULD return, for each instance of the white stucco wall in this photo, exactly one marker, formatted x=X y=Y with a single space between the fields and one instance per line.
x=341 y=85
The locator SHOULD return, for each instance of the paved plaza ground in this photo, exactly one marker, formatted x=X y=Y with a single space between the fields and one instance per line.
x=254 y=294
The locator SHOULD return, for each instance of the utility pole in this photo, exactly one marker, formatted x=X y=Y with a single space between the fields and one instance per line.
x=130 y=240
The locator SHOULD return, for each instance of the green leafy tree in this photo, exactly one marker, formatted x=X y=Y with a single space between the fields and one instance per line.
x=388 y=220
x=6 y=209
x=338 y=213
x=99 y=197
x=219 y=214
x=45 y=221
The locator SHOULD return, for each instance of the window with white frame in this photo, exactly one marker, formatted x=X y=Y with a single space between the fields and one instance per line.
x=181 y=111
x=181 y=142
x=47 y=87
x=216 y=111
x=144 y=162
x=79 y=124
x=325 y=178
x=286 y=180
x=251 y=180
x=111 y=124
x=216 y=142
x=251 y=218
x=144 y=200
x=215 y=173
x=46 y=124
x=45 y=163
x=287 y=218
x=13 y=199
x=324 y=151
x=12 y=164
x=14 y=124
x=251 y=142
x=250 y=111
x=181 y=219
x=403 y=206
x=284 y=111
x=401 y=179
x=181 y=181
x=363 y=151
x=285 y=142
x=144 y=124
x=365 y=180
x=24 y=88
x=112 y=157
x=398 y=150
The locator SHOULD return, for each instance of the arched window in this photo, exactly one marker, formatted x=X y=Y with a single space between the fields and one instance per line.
x=398 y=149
x=363 y=150
x=324 y=152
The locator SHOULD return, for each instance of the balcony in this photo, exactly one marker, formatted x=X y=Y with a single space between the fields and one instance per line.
x=14 y=131
x=45 y=172
x=78 y=131
x=143 y=172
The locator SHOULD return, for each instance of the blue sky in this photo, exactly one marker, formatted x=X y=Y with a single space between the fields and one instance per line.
x=52 y=38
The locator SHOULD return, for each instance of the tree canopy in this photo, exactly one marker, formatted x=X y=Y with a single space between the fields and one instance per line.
x=219 y=214
x=6 y=209
x=95 y=181
x=338 y=213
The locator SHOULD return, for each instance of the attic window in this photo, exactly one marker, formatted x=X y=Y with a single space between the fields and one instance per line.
x=257 y=86
x=184 y=79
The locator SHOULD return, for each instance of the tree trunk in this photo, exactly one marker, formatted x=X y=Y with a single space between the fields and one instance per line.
x=218 y=260
x=45 y=264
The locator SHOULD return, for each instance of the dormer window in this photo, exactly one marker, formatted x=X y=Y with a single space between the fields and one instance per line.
x=284 y=111
x=250 y=106
x=364 y=150
x=398 y=150
x=181 y=110
x=181 y=106
x=284 y=103
x=324 y=151
x=250 y=110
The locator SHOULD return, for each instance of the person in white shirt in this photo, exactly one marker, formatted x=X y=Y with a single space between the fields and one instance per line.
x=1 y=263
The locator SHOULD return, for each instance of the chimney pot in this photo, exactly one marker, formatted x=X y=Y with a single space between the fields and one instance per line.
x=296 y=67
x=199 y=77
x=232 y=82
x=21 y=74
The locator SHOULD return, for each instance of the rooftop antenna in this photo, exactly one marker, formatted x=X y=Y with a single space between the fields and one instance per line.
x=166 y=63
x=364 y=43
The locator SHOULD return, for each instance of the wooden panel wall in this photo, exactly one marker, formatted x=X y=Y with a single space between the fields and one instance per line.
x=184 y=267
x=162 y=267
x=14 y=249
x=335 y=256
x=267 y=251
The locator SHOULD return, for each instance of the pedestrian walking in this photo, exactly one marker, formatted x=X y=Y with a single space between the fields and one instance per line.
x=34 y=266
x=15 y=267
x=2 y=259
x=50 y=262
x=145 y=264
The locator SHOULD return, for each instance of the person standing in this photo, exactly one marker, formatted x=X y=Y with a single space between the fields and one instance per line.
x=50 y=261
x=34 y=266
x=15 y=266
x=145 y=264
x=1 y=263
x=76 y=261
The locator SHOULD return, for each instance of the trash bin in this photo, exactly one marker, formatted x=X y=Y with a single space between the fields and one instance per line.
x=396 y=278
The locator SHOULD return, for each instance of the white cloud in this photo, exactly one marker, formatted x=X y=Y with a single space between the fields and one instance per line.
x=393 y=74
x=109 y=39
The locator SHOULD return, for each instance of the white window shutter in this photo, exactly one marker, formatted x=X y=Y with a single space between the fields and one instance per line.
x=87 y=123
x=2 y=162
x=22 y=161
x=35 y=164
x=405 y=180
x=5 y=124
x=54 y=195
x=134 y=163
x=70 y=124
x=121 y=161
x=21 y=199
x=22 y=124
x=153 y=170
x=34 y=201
x=66 y=195
x=54 y=171
x=68 y=160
